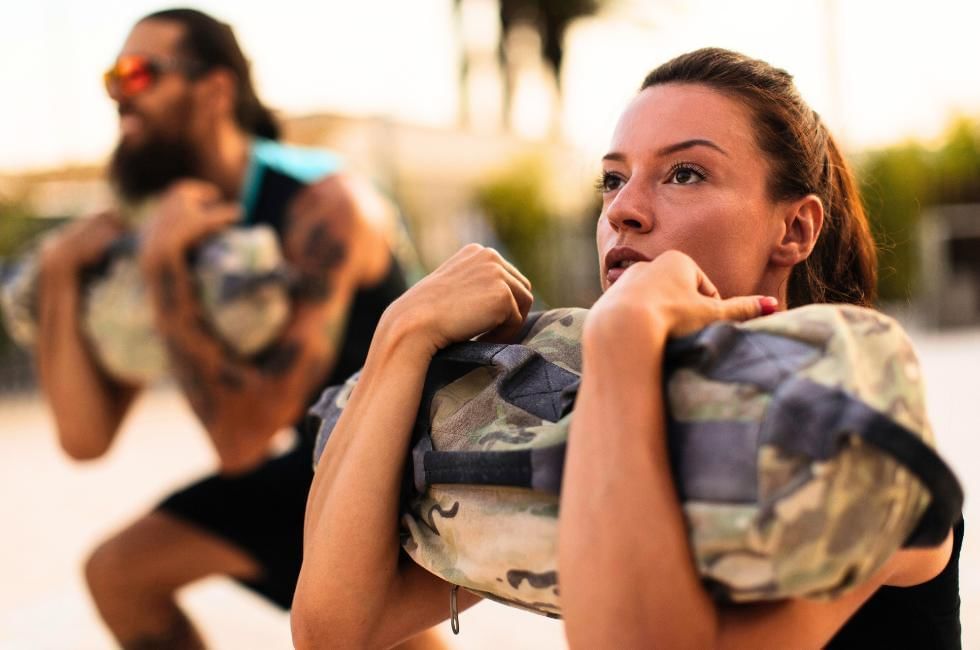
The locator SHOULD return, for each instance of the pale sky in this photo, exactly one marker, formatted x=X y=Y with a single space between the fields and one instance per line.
x=901 y=69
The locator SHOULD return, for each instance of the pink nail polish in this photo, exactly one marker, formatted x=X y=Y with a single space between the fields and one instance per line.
x=768 y=305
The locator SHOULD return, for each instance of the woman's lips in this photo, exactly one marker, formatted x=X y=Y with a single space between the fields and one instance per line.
x=613 y=274
x=619 y=259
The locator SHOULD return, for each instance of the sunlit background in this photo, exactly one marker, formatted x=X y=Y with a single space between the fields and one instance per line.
x=879 y=71
x=480 y=129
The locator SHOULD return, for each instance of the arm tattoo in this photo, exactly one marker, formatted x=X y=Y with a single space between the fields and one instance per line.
x=231 y=377
x=321 y=254
x=168 y=288
x=277 y=360
x=311 y=288
x=323 y=250
x=195 y=386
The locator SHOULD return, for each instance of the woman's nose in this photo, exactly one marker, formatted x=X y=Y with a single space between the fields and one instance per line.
x=631 y=209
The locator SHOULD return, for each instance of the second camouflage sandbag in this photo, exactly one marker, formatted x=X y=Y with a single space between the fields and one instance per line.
x=243 y=283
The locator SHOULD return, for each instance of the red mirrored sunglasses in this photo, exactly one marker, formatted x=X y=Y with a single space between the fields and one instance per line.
x=134 y=73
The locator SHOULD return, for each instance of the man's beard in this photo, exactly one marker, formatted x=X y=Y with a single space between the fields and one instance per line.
x=140 y=171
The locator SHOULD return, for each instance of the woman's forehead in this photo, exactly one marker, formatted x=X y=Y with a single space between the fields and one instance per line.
x=667 y=114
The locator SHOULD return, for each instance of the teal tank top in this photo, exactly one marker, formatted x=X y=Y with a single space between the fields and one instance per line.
x=303 y=165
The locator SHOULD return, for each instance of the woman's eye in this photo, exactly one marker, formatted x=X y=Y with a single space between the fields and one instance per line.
x=609 y=182
x=686 y=175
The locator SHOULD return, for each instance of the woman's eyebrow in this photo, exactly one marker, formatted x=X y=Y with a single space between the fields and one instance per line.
x=687 y=144
x=669 y=149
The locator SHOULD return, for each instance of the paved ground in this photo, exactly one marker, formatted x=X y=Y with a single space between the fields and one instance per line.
x=52 y=510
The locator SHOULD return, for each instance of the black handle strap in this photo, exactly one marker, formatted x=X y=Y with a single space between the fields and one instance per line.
x=946 y=505
x=530 y=382
x=812 y=419
x=538 y=469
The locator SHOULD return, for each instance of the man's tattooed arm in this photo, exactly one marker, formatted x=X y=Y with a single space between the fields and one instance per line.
x=243 y=402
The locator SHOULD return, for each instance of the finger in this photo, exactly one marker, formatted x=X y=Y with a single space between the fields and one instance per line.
x=465 y=257
x=521 y=301
x=705 y=286
x=197 y=190
x=744 y=308
x=225 y=213
x=510 y=268
x=110 y=219
x=520 y=290
x=220 y=216
x=507 y=331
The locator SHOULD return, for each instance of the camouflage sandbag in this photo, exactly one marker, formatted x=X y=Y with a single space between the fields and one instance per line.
x=799 y=444
x=244 y=289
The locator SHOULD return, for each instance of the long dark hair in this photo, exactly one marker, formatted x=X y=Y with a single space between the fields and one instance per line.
x=210 y=44
x=803 y=159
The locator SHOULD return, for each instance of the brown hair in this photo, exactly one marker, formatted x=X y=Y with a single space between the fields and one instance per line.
x=803 y=159
x=208 y=44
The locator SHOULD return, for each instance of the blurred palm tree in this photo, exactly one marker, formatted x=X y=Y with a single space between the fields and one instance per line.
x=549 y=18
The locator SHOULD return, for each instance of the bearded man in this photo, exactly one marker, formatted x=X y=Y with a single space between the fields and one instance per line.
x=195 y=139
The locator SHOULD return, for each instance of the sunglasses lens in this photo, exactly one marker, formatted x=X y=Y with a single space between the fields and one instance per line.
x=131 y=75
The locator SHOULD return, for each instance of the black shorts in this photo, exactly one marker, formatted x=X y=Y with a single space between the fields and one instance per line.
x=261 y=512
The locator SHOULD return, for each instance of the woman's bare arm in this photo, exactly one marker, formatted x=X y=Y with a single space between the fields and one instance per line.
x=628 y=578
x=354 y=590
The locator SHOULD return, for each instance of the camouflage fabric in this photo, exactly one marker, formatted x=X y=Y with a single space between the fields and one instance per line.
x=244 y=290
x=775 y=507
x=18 y=288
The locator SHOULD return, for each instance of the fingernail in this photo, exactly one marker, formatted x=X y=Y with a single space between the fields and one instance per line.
x=768 y=305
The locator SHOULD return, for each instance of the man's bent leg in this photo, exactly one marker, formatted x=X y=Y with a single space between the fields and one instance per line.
x=133 y=578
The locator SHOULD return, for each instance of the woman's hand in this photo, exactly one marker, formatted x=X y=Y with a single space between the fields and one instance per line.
x=668 y=296
x=473 y=292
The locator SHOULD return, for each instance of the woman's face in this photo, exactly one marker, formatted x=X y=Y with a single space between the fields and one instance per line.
x=684 y=172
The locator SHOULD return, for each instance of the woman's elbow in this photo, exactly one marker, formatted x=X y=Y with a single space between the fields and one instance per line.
x=313 y=625
x=304 y=630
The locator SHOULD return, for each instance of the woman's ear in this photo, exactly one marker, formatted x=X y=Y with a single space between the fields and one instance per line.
x=802 y=221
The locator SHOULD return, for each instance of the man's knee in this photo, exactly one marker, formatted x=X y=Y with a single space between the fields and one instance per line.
x=129 y=563
x=157 y=555
x=109 y=570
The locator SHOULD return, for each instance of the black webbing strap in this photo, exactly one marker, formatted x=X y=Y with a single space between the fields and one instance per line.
x=811 y=419
x=521 y=367
x=946 y=504
x=537 y=469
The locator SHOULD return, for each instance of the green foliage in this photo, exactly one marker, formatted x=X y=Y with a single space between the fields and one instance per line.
x=895 y=182
x=517 y=208
x=957 y=167
x=899 y=182
x=18 y=226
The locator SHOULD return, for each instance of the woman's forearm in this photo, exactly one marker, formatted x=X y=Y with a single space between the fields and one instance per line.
x=627 y=576
x=352 y=591
x=351 y=570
